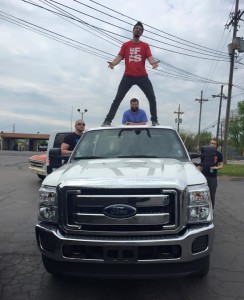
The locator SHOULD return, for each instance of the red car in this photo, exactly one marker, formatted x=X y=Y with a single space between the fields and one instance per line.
x=39 y=163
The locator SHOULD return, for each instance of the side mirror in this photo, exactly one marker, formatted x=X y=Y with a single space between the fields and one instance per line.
x=55 y=159
x=207 y=156
x=194 y=155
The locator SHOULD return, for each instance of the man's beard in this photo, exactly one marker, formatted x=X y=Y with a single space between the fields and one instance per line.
x=136 y=35
x=134 y=109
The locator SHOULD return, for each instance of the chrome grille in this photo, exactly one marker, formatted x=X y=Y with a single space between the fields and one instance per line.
x=83 y=211
x=36 y=163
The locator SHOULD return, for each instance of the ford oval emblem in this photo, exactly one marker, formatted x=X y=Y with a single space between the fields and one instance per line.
x=119 y=211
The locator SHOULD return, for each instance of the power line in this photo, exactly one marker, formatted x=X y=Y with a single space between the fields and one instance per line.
x=87 y=25
x=210 y=126
x=188 y=74
x=214 y=63
x=221 y=57
x=239 y=87
x=209 y=49
x=59 y=38
x=180 y=74
x=202 y=48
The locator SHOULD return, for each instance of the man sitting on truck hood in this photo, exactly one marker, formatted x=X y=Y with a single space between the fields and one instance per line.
x=71 y=139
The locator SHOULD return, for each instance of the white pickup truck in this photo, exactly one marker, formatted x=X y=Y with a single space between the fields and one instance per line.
x=129 y=203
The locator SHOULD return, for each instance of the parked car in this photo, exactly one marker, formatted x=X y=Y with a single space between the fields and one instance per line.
x=39 y=163
x=42 y=148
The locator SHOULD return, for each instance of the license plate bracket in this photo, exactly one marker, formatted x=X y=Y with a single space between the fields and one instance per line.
x=120 y=254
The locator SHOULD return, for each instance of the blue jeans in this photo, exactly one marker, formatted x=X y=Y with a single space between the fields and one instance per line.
x=126 y=83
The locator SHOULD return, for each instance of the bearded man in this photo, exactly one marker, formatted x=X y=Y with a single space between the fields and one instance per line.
x=134 y=115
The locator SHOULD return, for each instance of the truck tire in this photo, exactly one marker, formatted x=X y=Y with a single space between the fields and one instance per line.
x=50 y=265
x=42 y=177
x=203 y=272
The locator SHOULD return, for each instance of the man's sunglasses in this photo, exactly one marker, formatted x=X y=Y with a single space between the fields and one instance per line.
x=81 y=124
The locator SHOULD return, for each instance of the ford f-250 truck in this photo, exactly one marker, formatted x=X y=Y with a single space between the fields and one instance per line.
x=129 y=203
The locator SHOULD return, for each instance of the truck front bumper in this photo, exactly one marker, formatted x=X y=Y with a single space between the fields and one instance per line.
x=154 y=256
x=37 y=170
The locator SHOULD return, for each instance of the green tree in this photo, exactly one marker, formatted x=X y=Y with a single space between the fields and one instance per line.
x=190 y=140
x=205 y=138
x=236 y=129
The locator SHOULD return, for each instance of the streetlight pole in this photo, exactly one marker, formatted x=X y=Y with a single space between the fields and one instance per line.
x=221 y=95
x=82 y=113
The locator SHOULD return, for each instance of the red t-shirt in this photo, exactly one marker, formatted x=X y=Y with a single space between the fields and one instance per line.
x=135 y=56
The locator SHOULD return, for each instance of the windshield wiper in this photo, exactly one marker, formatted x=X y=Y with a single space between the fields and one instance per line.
x=88 y=157
x=137 y=156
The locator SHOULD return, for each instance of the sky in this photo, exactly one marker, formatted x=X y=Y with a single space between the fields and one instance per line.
x=44 y=81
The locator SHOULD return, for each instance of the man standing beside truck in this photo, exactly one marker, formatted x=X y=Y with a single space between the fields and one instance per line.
x=211 y=172
x=70 y=140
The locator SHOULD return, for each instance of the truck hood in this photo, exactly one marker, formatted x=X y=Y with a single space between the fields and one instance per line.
x=38 y=157
x=127 y=172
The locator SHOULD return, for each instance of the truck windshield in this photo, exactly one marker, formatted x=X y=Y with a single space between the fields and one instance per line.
x=131 y=142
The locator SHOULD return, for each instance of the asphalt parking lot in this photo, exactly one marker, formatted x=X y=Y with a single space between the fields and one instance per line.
x=22 y=275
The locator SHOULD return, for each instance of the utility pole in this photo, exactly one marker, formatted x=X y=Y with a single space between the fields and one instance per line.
x=221 y=95
x=233 y=22
x=201 y=100
x=178 y=120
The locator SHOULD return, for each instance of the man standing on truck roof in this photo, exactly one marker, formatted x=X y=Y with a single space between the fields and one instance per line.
x=134 y=115
x=135 y=53
x=71 y=139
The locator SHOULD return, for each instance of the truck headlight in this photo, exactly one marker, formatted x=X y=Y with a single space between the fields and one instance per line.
x=199 y=206
x=48 y=209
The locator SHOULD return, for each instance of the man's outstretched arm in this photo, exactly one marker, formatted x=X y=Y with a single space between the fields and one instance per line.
x=115 y=62
x=153 y=62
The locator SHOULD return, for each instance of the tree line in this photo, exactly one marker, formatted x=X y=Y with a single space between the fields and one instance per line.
x=235 y=135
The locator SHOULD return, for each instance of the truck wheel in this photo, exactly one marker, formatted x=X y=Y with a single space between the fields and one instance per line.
x=41 y=176
x=50 y=265
x=205 y=268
